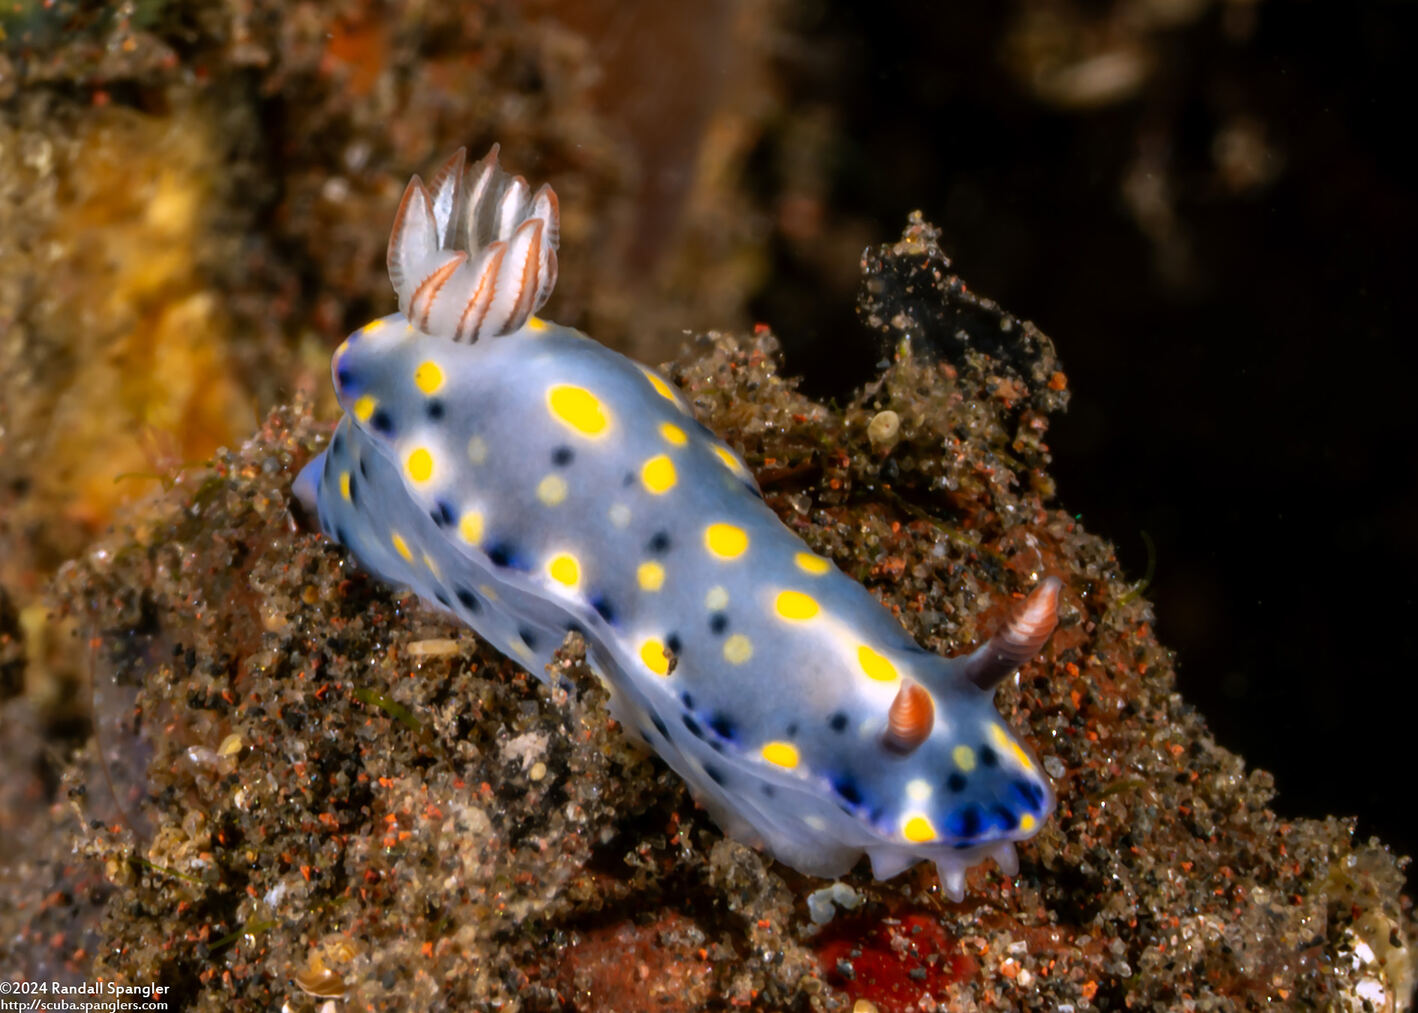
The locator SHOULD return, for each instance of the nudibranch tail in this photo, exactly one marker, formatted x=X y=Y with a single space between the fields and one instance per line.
x=473 y=253
x=1021 y=637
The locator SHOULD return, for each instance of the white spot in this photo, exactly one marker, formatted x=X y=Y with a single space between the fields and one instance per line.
x=918 y=790
x=619 y=515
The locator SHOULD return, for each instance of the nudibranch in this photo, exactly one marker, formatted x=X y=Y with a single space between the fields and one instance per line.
x=530 y=481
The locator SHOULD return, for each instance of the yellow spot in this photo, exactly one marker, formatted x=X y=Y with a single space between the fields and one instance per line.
x=551 y=490
x=401 y=547
x=673 y=434
x=652 y=652
x=578 y=409
x=964 y=758
x=345 y=485
x=536 y=324
x=874 y=665
x=808 y=563
x=738 y=649
x=477 y=450
x=1026 y=822
x=651 y=575
x=795 y=605
x=1005 y=742
x=725 y=540
x=428 y=377
x=658 y=474
x=919 y=830
x=364 y=407
x=373 y=325
x=489 y=592
x=661 y=388
x=471 y=527
x=565 y=569
x=784 y=754
x=717 y=598
x=727 y=456
x=432 y=566
x=420 y=465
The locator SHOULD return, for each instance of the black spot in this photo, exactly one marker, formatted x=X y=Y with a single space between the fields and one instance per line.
x=337 y=445
x=715 y=774
x=955 y=782
x=989 y=757
x=659 y=724
x=838 y=722
x=964 y=822
x=791 y=731
x=434 y=409
x=1007 y=819
x=722 y=726
x=505 y=554
x=753 y=488
x=768 y=790
x=468 y=600
x=340 y=535
x=443 y=599
x=718 y=622
x=845 y=785
x=629 y=479
x=363 y=471
x=443 y=516
x=672 y=641
x=562 y=456
x=528 y=635
x=659 y=543
x=344 y=377
x=687 y=700
x=382 y=423
x=693 y=726
x=1029 y=793
x=354 y=492
x=603 y=608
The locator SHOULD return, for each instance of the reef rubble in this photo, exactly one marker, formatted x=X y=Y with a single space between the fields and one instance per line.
x=304 y=786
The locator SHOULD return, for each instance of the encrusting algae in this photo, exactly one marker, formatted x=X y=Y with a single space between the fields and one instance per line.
x=351 y=796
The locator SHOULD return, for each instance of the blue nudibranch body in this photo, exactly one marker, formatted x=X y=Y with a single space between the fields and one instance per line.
x=530 y=481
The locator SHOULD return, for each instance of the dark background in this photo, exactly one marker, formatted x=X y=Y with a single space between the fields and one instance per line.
x=1240 y=359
